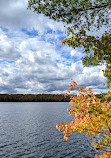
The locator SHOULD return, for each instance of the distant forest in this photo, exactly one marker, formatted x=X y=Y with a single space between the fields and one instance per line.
x=33 y=98
x=39 y=97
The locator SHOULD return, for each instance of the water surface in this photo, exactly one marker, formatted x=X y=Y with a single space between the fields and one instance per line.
x=28 y=130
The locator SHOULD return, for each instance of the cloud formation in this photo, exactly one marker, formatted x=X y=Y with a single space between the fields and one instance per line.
x=32 y=58
x=14 y=15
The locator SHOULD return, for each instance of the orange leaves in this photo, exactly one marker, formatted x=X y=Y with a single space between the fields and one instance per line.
x=105 y=155
x=65 y=95
x=108 y=132
x=71 y=87
x=63 y=125
x=89 y=115
x=96 y=156
x=63 y=43
x=74 y=83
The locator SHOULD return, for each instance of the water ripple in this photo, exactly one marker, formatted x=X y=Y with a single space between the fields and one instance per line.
x=27 y=130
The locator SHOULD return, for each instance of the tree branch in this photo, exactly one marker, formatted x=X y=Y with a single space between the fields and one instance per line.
x=94 y=7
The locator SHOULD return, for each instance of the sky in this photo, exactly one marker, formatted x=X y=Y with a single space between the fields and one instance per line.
x=32 y=58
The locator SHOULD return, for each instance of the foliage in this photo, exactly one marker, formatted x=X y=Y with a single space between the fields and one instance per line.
x=89 y=115
x=102 y=96
x=105 y=155
x=90 y=60
x=95 y=13
x=101 y=46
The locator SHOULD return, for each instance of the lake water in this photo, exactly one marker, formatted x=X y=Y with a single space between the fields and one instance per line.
x=28 y=130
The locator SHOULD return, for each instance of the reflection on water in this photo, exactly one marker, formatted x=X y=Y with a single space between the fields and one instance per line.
x=28 y=130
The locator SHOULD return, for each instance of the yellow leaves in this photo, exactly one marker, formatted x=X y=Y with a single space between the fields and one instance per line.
x=96 y=145
x=92 y=143
x=72 y=112
x=90 y=115
x=66 y=138
x=71 y=132
x=57 y=127
x=60 y=129
x=97 y=58
x=106 y=97
x=108 y=132
x=89 y=133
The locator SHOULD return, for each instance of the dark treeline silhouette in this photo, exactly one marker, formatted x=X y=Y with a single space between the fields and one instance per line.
x=34 y=98
x=39 y=97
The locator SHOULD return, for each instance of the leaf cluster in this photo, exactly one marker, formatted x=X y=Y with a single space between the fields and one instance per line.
x=104 y=155
x=89 y=115
x=101 y=46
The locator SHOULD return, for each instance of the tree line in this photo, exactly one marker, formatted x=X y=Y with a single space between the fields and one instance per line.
x=39 y=97
x=33 y=98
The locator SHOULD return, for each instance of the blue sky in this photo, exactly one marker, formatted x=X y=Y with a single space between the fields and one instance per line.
x=32 y=58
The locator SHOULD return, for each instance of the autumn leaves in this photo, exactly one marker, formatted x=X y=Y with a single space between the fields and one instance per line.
x=89 y=115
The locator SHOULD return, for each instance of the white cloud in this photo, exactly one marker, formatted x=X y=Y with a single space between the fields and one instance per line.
x=6 y=48
x=74 y=53
x=38 y=72
x=38 y=64
x=31 y=57
x=17 y=16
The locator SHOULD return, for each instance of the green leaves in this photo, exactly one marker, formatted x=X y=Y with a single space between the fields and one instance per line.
x=90 y=60
x=73 y=12
x=100 y=46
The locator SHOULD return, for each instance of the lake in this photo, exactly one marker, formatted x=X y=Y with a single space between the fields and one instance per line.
x=28 y=130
